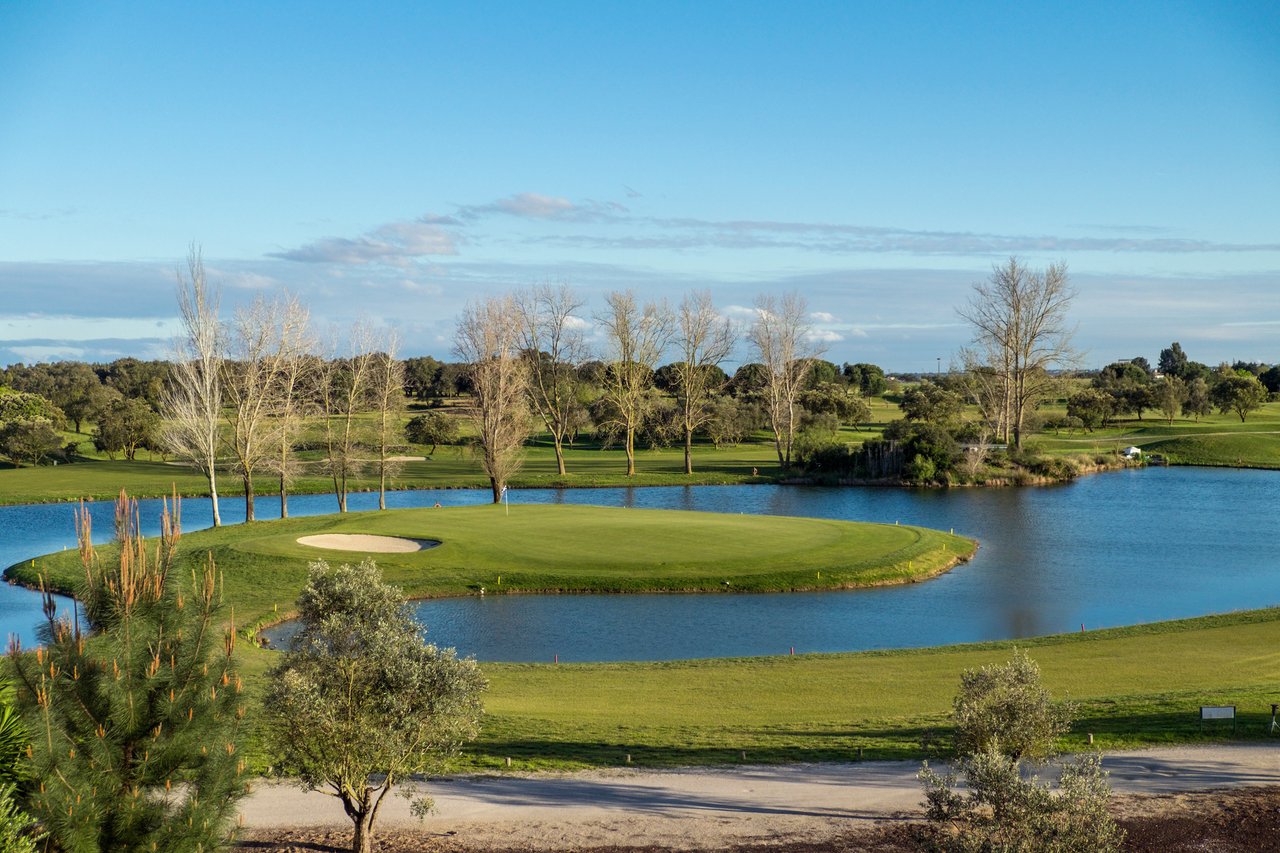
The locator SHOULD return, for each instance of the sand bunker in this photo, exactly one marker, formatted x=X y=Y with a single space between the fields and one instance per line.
x=366 y=542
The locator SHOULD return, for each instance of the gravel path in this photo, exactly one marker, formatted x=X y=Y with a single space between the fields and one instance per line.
x=713 y=807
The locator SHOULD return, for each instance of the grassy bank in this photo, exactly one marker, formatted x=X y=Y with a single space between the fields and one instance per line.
x=536 y=548
x=1134 y=686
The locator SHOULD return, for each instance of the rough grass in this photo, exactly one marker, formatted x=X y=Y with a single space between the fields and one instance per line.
x=538 y=548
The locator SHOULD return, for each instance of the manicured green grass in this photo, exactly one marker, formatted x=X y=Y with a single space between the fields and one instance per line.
x=1134 y=686
x=528 y=548
x=449 y=467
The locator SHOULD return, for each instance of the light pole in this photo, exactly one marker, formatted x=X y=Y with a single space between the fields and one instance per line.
x=939 y=373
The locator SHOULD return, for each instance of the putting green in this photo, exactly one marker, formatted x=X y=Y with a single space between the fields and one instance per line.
x=564 y=549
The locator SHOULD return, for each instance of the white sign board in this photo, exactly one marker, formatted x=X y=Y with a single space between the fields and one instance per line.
x=1218 y=712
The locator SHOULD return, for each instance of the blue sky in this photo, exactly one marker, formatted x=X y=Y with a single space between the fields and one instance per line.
x=390 y=162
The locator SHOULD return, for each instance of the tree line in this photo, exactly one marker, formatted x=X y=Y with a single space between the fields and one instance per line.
x=244 y=396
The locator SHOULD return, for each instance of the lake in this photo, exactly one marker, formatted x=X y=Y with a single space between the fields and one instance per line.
x=1110 y=549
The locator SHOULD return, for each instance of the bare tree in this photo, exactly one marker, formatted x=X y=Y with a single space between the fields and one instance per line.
x=1019 y=318
x=635 y=340
x=553 y=347
x=344 y=395
x=487 y=340
x=294 y=394
x=782 y=342
x=252 y=378
x=987 y=386
x=386 y=384
x=704 y=339
x=192 y=400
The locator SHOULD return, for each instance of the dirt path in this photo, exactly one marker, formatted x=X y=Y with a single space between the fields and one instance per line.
x=713 y=808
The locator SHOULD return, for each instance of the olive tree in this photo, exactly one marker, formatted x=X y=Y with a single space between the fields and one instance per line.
x=361 y=700
x=27 y=427
x=1004 y=714
x=1239 y=393
x=433 y=428
x=1006 y=703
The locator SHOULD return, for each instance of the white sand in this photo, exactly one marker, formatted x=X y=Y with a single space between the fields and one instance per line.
x=366 y=542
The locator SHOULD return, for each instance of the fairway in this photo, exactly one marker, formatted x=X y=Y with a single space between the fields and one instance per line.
x=529 y=548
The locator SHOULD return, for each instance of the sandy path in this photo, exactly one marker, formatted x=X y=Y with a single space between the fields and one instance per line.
x=711 y=807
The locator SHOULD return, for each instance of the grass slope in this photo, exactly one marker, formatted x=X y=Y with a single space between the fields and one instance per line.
x=1133 y=686
x=561 y=548
x=1214 y=440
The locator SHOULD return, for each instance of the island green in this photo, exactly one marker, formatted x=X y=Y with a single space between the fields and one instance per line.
x=540 y=548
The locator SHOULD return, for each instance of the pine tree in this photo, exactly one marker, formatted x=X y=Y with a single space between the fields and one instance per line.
x=133 y=723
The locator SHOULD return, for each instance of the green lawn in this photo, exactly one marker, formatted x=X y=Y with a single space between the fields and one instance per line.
x=449 y=467
x=1134 y=686
x=529 y=548
x=1218 y=440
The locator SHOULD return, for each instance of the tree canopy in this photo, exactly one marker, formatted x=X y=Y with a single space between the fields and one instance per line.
x=361 y=700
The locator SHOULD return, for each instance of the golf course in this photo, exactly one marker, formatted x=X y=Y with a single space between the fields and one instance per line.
x=555 y=549
x=1134 y=685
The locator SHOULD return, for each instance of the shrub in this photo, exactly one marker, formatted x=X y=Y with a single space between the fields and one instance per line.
x=1003 y=714
x=1007 y=704
x=920 y=469
x=16 y=835
x=1001 y=811
x=1053 y=467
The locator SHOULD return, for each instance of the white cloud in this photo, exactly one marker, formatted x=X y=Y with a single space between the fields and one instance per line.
x=825 y=336
x=824 y=317
x=396 y=244
x=573 y=322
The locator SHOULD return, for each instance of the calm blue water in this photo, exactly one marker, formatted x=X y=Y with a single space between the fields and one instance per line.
x=1112 y=549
